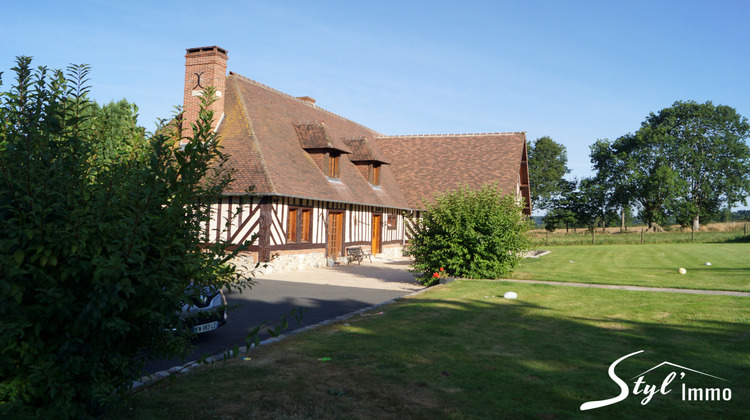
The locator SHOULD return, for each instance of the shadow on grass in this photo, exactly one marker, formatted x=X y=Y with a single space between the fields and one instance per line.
x=446 y=355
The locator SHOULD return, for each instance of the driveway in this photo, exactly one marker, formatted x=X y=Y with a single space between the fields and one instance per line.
x=325 y=293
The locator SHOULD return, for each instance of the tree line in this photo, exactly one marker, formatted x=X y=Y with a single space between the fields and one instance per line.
x=688 y=163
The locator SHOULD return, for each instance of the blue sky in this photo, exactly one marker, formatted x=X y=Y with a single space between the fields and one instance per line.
x=576 y=71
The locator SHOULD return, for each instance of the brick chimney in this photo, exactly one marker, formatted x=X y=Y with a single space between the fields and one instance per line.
x=204 y=66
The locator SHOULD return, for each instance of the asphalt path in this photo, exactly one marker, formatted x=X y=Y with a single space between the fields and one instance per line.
x=324 y=293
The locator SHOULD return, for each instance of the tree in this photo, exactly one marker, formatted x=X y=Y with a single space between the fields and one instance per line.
x=592 y=205
x=547 y=167
x=706 y=144
x=562 y=209
x=100 y=235
x=634 y=173
x=470 y=233
x=687 y=161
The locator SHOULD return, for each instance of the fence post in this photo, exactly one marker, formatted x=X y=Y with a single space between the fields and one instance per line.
x=593 y=236
x=642 y=233
x=745 y=229
x=692 y=233
x=546 y=239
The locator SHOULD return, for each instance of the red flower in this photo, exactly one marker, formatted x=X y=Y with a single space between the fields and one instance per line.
x=442 y=269
x=435 y=275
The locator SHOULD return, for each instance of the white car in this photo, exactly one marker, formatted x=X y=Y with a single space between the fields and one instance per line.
x=204 y=309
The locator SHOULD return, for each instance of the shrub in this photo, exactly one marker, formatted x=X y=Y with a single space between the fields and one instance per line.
x=100 y=234
x=469 y=233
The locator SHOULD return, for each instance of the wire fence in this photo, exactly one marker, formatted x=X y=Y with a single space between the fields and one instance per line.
x=727 y=232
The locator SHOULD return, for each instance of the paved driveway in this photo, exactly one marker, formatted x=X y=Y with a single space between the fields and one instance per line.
x=326 y=293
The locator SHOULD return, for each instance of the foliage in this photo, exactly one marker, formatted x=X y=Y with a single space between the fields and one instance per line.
x=710 y=156
x=471 y=233
x=562 y=209
x=686 y=161
x=634 y=174
x=100 y=237
x=547 y=166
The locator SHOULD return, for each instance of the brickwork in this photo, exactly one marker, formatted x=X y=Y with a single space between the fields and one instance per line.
x=204 y=67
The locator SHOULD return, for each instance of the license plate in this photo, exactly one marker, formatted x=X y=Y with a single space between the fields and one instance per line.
x=206 y=327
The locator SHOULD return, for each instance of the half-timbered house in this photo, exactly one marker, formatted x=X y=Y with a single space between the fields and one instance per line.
x=322 y=183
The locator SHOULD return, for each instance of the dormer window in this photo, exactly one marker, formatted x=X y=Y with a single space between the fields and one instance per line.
x=333 y=165
x=324 y=149
x=375 y=174
x=367 y=158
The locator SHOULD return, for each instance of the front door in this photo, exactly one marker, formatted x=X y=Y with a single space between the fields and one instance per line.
x=335 y=234
x=377 y=223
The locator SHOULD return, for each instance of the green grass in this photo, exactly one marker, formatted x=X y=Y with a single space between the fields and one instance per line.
x=634 y=236
x=645 y=265
x=461 y=351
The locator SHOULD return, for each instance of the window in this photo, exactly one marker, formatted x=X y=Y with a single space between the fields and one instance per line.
x=306 y=231
x=299 y=227
x=392 y=221
x=333 y=165
x=375 y=177
x=291 y=232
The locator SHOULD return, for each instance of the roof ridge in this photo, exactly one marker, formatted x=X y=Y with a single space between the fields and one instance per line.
x=261 y=85
x=506 y=133
x=254 y=138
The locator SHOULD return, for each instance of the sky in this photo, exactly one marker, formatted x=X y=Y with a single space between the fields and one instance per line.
x=576 y=71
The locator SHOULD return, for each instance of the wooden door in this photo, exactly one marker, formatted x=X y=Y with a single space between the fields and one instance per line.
x=335 y=234
x=377 y=224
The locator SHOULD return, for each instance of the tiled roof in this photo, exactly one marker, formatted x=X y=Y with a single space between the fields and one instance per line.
x=428 y=164
x=364 y=150
x=261 y=134
x=315 y=135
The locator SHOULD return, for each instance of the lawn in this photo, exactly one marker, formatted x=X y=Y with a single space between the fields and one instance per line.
x=645 y=265
x=461 y=351
x=715 y=232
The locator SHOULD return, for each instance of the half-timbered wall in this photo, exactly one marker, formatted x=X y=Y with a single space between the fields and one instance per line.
x=236 y=219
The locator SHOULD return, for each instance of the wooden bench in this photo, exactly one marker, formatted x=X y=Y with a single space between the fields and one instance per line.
x=356 y=253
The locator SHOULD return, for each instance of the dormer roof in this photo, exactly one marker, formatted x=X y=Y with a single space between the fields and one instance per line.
x=364 y=150
x=316 y=136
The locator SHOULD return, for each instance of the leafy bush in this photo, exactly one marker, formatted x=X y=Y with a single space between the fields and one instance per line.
x=469 y=233
x=100 y=234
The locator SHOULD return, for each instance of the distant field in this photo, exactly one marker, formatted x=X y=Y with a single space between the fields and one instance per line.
x=716 y=232
x=654 y=265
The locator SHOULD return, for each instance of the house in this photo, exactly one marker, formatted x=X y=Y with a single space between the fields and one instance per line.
x=323 y=183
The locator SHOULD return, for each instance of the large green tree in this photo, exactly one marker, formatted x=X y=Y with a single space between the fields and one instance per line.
x=707 y=148
x=100 y=235
x=688 y=161
x=547 y=166
x=633 y=173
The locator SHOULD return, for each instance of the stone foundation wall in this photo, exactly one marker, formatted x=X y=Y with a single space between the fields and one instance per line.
x=392 y=251
x=299 y=260
x=281 y=262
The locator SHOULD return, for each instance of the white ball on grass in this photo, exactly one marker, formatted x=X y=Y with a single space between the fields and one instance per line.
x=682 y=271
x=510 y=295
x=708 y=263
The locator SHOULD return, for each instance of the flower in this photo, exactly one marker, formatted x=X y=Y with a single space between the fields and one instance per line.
x=435 y=274
x=442 y=269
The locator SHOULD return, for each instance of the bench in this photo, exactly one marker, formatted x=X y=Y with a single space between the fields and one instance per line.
x=356 y=253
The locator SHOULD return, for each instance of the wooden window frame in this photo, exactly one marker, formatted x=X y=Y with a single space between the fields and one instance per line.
x=392 y=222
x=299 y=225
x=375 y=174
x=333 y=164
